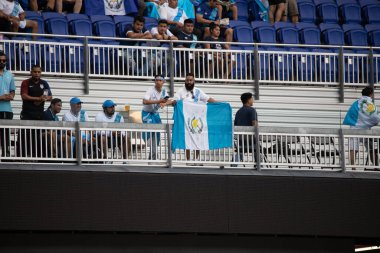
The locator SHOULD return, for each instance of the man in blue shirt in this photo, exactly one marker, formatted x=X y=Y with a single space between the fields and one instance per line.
x=7 y=93
x=208 y=13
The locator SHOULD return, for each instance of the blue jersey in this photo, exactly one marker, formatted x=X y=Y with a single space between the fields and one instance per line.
x=207 y=12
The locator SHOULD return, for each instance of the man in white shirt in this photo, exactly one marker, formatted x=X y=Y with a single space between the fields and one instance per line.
x=76 y=114
x=15 y=15
x=154 y=99
x=112 y=139
x=173 y=14
x=192 y=94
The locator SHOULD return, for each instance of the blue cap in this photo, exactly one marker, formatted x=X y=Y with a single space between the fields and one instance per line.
x=108 y=103
x=75 y=100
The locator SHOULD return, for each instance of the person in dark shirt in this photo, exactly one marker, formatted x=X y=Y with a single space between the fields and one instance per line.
x=187 y=57
x=55 y=107
x=219 y=62
x=51 y=135
x=245 y=116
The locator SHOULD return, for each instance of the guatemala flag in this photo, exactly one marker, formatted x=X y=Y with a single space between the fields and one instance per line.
x=362 y=114
x=202 y=126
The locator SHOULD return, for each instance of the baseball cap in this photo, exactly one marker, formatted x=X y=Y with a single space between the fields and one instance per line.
x=108 y=103
x=75 y=100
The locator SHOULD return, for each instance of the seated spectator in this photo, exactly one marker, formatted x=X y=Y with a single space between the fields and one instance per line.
x=161 y=32
x=77 y=5
x=12 y=13
x=150 y=8
x=51 y=135
x=112 y=139
x=185 y=57
x=291 y=10
x=174 y=15
x=218 y=61
x=133 y=56
x=208 y=13
x=228 y=7
x=51 y=112
x=276 y=10
x=42 y=5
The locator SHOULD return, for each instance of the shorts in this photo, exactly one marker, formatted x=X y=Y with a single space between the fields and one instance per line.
x=368 y=143
x=291 y=8
x=222 y=29
x=276 y=2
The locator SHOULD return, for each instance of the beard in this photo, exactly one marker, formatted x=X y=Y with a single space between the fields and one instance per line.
x=189 y=86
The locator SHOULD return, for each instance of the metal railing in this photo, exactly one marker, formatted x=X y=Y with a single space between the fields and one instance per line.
x=147 y=144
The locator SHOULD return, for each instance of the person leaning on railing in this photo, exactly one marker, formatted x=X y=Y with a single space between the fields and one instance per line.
x=7 y=94
x=363 y=114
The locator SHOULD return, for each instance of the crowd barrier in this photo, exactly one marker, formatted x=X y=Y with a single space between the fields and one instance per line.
x=244 y=63
x=126 y=144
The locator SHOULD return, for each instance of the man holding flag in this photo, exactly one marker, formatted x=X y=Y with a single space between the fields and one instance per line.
x=197 y=125
x=154 y=99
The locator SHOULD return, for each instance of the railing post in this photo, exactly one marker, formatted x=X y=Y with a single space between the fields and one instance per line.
x=78 y=143
x=171 y=72
x=341 y=75
x=257 y=149
x=169 y=145
x=256 y=71
x=86 y=60
x=341 y=150
x=371 y=80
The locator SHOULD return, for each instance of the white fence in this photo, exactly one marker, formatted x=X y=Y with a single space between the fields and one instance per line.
x=140 y=144
x=261 y=63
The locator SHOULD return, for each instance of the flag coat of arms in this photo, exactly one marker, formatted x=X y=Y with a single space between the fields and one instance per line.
x=199 y=126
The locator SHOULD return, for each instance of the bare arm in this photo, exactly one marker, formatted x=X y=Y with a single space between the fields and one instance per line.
x=211 y=100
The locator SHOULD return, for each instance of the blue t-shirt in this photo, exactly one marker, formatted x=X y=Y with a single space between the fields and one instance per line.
x=7 y=85
x=207 y=12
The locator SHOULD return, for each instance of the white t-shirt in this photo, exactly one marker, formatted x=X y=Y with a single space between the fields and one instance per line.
x=169 y=13
x=154 y=31
x=11 y=8
x=101 y=117
x=153 y=94
x=69 y=116
x=197 y=96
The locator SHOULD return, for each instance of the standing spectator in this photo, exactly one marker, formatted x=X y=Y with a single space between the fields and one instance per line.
x=77 y=5
x=137 y=61
x=187 y=57
x=291 y=10
x=112 y=139
x=363 y=114
x=76 y=114
x=190 y=93
x=13 y=13
x=245 y=116
x=276 y=10
x=7 y=93
x=218 y=60
x=34 y=93
x=155 y=99
x=208 y=13
x=228 y=8
x=42 y=5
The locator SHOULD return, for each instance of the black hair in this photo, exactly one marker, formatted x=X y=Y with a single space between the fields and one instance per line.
x=139 y=18
x=163 y=21
x=213 y=26
x=190 y=74
x=245 y=97
x=188 y=21
x=367 y=91
x=2 y=53
x=55 y=101
x=35 y=66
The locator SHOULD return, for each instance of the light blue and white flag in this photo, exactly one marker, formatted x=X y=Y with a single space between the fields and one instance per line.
x=362 y=114
x=199 y=126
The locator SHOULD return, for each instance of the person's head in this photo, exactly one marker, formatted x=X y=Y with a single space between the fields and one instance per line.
x=213 y=3
x=189 y=81
x=214 y=29
x=3 y=60
x=56 y=105
x=188 y=26
x=36 y=72
x=369 y=92
x=247 y=98
x=159 y=81
x=162 y=26
x=75 y=105
x=138 y=23
x=173 y=3
x=109 y=107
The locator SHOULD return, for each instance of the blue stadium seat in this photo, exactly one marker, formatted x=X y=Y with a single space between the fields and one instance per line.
x=117 y=19
x=30 y=14
x=324 y=26
x=350 y=13
x=81 y=27
x=328 y=13
x=257 y=24
x=307 y=12
x=40 y=22
x=287 y=35
x=310 y=36
x=96 y=18
x=333 y=36
x=305 y=1
x=265 y=34
x=73 y=55
x=104 y=28
x=374 y=39
x=349 y=27
x=342 y=2
x=371 y=14
x=364 y=3
x=302 y=25
x=121 y=26
x=318 y=2
x=242 y=6
x=372 y=27
x=235 y=23
x=76 y=16
x=55 y=15
x=244 y=34
x=356 y=37
x=279 y=25
x=57 y=26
